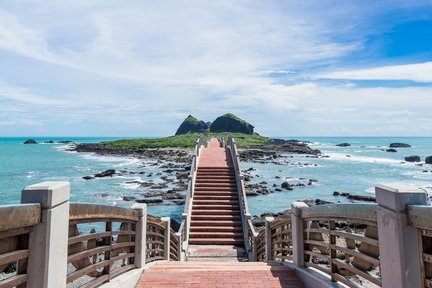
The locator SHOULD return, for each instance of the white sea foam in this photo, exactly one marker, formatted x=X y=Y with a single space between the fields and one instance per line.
x=121 y=160
x=365 y=159
x=136 y=183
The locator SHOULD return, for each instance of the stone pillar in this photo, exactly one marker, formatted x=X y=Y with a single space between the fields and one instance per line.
x=268 y=242
x=140 y=235
x=297 y=233
x=167 y=238
x=398 y=242
x=47 y=266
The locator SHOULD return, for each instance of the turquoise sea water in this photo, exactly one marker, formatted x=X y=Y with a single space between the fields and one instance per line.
x=368 y=165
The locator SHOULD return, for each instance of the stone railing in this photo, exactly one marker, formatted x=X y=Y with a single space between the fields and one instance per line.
x=420 y=217
x=249 y=232
x=183 y=233
x=376 y=245
x=54 y=243
x=16 y=224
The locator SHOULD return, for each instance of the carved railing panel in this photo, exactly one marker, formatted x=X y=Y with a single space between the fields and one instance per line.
x=155 y=239
x=101 y=243
x=420 y=217
x=174 y=246
x=16 y=222
x=260 y=246
x=342 y=241
x=281 y=238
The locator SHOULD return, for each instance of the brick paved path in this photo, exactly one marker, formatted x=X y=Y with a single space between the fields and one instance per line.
x=219 y=274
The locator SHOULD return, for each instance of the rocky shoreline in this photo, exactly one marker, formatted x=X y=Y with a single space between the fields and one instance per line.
x=174 y=168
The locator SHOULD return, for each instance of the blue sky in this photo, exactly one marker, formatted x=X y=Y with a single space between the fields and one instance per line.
x=138 y=68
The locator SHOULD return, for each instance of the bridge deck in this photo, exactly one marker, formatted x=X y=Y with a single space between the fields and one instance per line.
x=219 y=274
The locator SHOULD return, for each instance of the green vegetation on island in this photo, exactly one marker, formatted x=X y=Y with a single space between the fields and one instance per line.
x=191 y=128
x=186 y=140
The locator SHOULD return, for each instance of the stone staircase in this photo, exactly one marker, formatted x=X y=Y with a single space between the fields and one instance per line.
x=215 y=216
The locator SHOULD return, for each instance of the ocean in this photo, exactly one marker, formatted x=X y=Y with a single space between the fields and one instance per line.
x=355 y=169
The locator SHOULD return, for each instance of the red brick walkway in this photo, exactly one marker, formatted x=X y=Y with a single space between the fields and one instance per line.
x=219 y=274
x=214 y=156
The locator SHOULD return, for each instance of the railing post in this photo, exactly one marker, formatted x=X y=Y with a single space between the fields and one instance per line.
x=49 y=242
x=268 y=240
x=167 y=238
x=398 y=242
x=140 y=234
x=297 y=233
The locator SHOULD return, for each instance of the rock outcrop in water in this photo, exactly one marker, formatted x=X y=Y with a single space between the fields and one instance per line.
x=428 y=160
x=231 y=123
x=343 y=145
x=399 y=145
x=30 y=141
x=413 y=158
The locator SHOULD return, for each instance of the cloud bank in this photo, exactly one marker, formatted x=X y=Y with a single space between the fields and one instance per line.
x=139 y=67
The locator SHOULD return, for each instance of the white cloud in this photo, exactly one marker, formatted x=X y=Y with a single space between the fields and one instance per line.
x=420 y=72
x=86 y=65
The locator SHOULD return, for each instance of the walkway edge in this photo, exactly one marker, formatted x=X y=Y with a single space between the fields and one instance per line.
x=129 y=279
x=312 y=278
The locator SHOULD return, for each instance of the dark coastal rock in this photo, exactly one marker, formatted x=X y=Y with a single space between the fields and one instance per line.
x=399 y=145
x=168 y=155
x=191 y=125
x=49 y=142
x=174 y=224
x=103 y=195
x=343 y=145
x=413 y=158
x=128 y=198
x=65 y=142
x=171 y=196
x=231 y=123
x=312 y=202
x=149 y=201
x=391 y=150
x=428 y=160
x=361 y=198
x=30 y=141
x=287 y=186
x=107 y=173
x=88 y=177
x=251 y=193
x=345 y=194
x=355 y=197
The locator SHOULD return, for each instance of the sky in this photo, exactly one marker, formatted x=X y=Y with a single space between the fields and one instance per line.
x=291 y=68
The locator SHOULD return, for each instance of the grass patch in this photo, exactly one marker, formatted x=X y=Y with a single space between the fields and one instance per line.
x=185 y=141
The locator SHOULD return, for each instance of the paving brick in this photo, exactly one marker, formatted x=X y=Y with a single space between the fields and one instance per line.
x=219 y=274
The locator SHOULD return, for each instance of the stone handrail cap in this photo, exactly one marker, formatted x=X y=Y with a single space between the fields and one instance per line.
x=49 y=194
x=396 y=196
x=140 y=208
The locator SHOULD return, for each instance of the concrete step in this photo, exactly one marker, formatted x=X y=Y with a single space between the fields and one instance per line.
x=217 y=222
x=216 y=207
x=215 y=197
x=215 y=189
x=216 y=178
x=214 y=235
x=214 y=212
x=215 y=217
x=203 y=168
x=215 y=193
x=216 y=229
x=212 y=185
x=216 y=241
x=201 y=202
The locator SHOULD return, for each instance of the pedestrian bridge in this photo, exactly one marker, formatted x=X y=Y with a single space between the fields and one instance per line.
x=49 y=242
